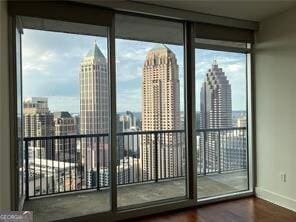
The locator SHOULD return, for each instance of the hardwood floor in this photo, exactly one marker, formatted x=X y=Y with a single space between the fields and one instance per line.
x=244 y=210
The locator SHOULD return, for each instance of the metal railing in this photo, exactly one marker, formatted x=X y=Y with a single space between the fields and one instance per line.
x=221 y=150
x=59 y=164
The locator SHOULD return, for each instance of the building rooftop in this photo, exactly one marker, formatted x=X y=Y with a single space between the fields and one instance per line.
x=62 y=114
x=95 y=52
x=160 y=46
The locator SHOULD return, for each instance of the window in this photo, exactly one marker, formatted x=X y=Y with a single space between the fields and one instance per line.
x=61 y=82
x=221 y=120
x=150 y=106
x=70 y=139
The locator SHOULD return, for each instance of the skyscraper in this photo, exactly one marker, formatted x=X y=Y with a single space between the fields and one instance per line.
x=94 y=106
x=215 y=111
x=38 y=122
x=161 y=90
x=160 y=105
x=94 y=94
x=215 y=99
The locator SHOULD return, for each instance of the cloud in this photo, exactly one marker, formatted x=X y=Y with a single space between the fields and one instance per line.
x=48 y=56
x=51 y=63
x=38 y=61
x=236 y=67
x=130 y=59
x=28 y=67
x=134 y=55
x=127 y=72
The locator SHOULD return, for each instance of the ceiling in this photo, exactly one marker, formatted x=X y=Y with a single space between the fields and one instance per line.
x=241 y=9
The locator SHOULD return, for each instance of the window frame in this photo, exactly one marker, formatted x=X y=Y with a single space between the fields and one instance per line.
x=76 y=13
x=250 y=123
x=187 y=98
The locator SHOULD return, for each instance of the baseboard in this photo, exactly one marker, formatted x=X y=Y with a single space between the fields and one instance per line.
x=276 y=198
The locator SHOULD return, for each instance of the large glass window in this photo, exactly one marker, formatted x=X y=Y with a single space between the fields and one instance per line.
x=66 y=118
x=221 y=122
x=151 y=151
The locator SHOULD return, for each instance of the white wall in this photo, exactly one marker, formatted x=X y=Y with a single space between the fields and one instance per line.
x=4 y=111
x=275 y=76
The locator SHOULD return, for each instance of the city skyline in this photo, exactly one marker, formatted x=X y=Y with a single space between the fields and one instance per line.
x=52 y=60
x=160 y=104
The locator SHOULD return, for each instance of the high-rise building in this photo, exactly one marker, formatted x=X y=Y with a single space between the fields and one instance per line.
x=94 y=93
x=161 y=90
x=94 y=105
x=38 y=122
x=215 y=112
x=160 y=107
x=65 y=149
x=215 y=99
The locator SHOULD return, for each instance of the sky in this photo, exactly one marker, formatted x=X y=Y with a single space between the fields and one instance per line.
x=51 y=63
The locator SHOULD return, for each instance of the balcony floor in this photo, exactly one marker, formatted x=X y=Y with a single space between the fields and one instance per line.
x=77 y=204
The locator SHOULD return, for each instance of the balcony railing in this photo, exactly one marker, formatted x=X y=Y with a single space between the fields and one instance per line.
x=60 y=164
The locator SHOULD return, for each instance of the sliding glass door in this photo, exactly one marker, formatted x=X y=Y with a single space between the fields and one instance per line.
x=110 y=115
x=66 y=118
x=151 y=150
x=221 y=121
